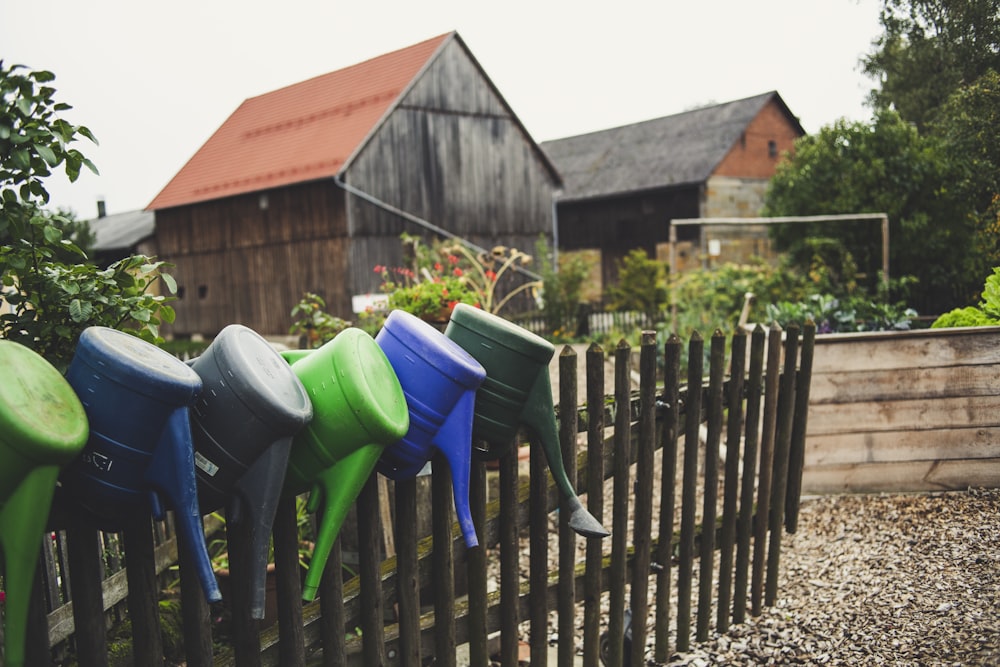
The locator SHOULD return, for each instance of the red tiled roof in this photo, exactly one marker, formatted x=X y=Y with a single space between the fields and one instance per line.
x=302 y=132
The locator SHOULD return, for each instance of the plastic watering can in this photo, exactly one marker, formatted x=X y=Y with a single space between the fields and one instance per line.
x=242 y=422
x=42 y=427
x=517 y=390
x=358 y=409
x=136 y=397
x=439 y=380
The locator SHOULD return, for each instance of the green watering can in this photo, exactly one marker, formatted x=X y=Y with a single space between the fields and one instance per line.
x=42 y=427
x=358 y=409
x=517 y=390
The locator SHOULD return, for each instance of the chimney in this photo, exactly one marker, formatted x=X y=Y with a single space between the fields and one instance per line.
x=101 y=209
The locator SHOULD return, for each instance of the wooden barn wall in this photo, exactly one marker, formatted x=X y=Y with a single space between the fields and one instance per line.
x=451 y=154
x=617 y=225
x=904 y=411
x=249 y=259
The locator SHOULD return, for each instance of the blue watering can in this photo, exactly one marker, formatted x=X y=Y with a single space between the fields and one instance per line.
x=439 y=380
x=250 y=406
x=517 y=390
x=42 y=427
x=137 y=398
x=358 y=409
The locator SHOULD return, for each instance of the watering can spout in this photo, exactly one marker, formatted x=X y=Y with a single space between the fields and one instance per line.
x=334 y=492
x=454 y=440
x=171 y=472
x=255 y=503
x=540 y=415
x=22 y=523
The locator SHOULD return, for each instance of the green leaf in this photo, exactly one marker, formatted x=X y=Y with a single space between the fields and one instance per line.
x=170 y=282
x=52 y=234
x=85 y=131
x=90 y=165
x=21 y=159
x=80 y=311
x=47 y=154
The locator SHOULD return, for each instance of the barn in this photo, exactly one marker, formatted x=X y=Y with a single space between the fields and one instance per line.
x=309 y=187
x=623 y=185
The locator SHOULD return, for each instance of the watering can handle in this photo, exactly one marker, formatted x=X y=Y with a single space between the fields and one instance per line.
x=22 y=525
x=336 y=488
x=538 y=414
x=454 y=440
x=255 y=501
x=171 y=473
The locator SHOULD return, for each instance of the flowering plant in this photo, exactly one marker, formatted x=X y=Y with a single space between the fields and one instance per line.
x=428 y=295
x=449 y=273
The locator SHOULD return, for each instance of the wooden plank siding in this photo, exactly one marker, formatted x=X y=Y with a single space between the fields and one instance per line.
x=238 y=261
x=453 y=154
x=904 y=411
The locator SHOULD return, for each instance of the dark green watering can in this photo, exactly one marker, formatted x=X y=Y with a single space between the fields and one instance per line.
x=358 y=409
x=517 y=390
x=42 y=427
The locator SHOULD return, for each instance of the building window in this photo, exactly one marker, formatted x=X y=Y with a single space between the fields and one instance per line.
x=772 y=148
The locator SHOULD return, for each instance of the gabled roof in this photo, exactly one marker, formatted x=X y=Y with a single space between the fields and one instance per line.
x=673 y=150
x=121 y=231
x=302 y=132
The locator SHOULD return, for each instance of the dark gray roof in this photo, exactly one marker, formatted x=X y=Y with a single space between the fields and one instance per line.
x=121 y=230
x=673 y=150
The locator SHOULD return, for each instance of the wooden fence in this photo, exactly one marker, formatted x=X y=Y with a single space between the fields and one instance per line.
x=433 y=595
x=904 y=411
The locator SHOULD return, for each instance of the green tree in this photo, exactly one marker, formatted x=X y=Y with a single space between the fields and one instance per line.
x=562 y=285
x=642 y=285
x=52 y=293
x=886 y=166
x=929 y=48
x=969 y=127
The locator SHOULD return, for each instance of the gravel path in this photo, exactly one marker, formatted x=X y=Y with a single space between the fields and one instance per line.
x=879 y=580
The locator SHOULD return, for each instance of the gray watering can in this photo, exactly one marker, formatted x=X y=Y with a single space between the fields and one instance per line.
x=243 y=421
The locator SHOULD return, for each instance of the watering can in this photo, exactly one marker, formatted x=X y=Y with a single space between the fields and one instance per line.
x=517 y=390
x=42 y=427
x=358 y=409
x=439 y=380
x=136 y=397
x=242 y=422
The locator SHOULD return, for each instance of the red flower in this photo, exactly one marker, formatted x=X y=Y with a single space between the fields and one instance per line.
x=491 y=274
x=437 y=266
x=452 y=259
x=457 y=271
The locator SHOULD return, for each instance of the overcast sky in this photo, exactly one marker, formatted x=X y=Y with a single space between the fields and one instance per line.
x=154 y=81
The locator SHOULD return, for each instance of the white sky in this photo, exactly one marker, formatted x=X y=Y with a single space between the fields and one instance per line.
x=154 y=80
